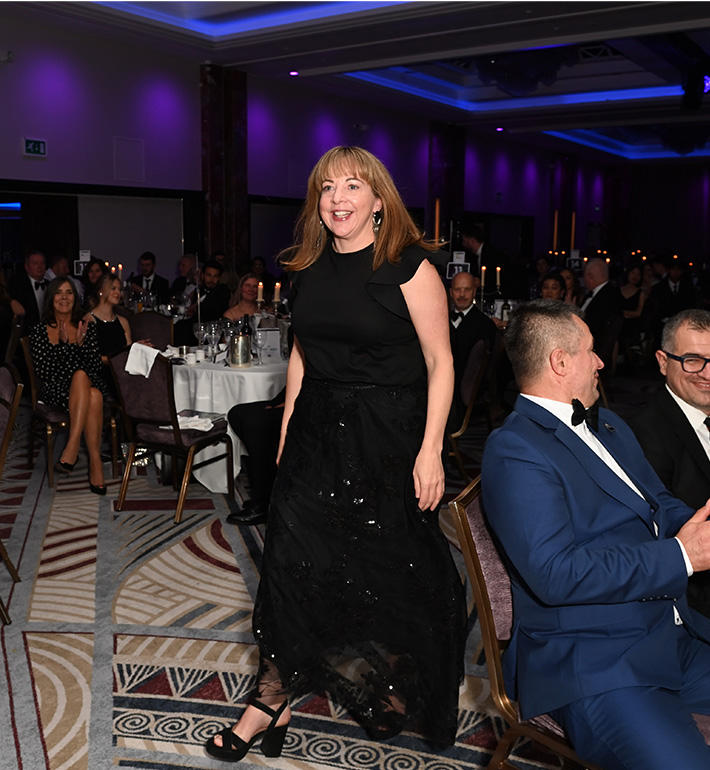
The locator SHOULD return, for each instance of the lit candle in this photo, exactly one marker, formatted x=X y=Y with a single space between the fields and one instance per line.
x=113 y=270
x=498 y=278
x=260 y=293
x=483 y=281
x=277 y=291
x=106 y=263
x=120 y=271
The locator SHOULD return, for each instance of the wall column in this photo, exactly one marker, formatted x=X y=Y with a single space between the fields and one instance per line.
x=447 y=162
x=224 y=163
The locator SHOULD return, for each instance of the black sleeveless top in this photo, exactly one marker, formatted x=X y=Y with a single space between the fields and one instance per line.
x=353 y=323
x=110 y=335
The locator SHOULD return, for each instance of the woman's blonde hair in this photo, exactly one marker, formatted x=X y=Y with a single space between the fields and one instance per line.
x=396 y=232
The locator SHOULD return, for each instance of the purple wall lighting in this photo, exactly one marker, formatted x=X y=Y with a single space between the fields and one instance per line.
x=58 y=88
x=326 y=134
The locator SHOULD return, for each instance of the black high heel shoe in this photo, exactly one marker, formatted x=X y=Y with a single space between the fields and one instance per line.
x=65 y=468
x=97 y=490
x=233 y=748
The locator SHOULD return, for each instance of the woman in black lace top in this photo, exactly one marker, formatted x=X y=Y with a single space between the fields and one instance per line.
x=66 y=358
x=359 y=595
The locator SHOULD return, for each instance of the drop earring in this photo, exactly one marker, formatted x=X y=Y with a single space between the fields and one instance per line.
x=376 y=221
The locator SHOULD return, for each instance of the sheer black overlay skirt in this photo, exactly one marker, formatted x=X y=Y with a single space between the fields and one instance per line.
x=359 y=595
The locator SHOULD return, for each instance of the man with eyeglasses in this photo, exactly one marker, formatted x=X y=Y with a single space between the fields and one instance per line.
x=674 y=428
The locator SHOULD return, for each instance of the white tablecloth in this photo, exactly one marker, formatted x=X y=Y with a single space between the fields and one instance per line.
x=217 y=388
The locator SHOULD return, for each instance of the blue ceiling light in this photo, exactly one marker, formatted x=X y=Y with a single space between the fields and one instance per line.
x=10 y=206
x=607 y=144
x=281 y=15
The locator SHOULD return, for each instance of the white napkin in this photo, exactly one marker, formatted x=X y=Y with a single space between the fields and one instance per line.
x=194 y=423
x=140 y=359
x=171 y=351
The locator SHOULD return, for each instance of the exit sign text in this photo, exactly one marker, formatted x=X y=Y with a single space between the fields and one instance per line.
x=35 y=147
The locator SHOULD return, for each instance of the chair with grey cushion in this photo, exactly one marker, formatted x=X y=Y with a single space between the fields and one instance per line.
x=152 y=422
x=492 y=596
x=10 y=394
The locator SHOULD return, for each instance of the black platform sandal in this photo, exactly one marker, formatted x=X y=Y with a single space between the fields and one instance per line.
x=233 y=748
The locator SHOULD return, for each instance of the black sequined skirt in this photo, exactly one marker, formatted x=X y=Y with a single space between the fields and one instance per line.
x=359 y=595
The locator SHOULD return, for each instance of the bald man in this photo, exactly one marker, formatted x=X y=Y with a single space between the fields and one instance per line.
x=467 y=326
x=603 y=309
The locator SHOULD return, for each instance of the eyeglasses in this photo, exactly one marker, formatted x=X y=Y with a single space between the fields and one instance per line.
x=691 y=364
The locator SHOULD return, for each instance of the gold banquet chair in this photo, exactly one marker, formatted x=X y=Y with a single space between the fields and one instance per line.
x=152 y=422
x=10 y=394
x=492 y=596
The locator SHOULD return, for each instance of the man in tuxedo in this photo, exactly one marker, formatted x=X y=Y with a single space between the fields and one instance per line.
x=467 y=325
x=185 y=283
x=149 y=280
x=214 y=300
x=599 y=554
x=603 y=309
x=58 y=267
x=27 y=290
x=674 y=292
x=673 y=429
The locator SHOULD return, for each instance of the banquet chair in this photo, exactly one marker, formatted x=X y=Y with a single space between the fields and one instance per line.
x=53 y=419
x=153 y=326
x=152 y=422
x=492 y=597
x=471 y=383
x=10 y=394
x=18 y=322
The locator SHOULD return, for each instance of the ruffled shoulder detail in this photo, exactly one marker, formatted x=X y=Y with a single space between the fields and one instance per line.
x=384 y=283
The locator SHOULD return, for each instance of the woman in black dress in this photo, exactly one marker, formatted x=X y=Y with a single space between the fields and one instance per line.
x=359 y=595
x=66 y=358
x=112 y=330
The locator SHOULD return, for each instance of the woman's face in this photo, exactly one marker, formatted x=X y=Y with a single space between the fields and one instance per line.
x=569 y=279
x=94 y=273
x=113 y=296
x=64 y=299
x=634 y=276
x=551 y=289
x=250 y=287
x=347 y=204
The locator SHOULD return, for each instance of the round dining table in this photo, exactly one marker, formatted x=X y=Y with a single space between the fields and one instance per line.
x=207 y=387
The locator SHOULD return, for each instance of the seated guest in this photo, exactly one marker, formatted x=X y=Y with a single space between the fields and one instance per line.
x=27 y=289
x=149 y=281
x=65 y=354
x=58 y=267
x=247 y=292
x=258 y=425
x=213 y=299
x=186 y=282
x=541 y=269
x=673 y=292
x=258 y=267
x=602 y=310
x=467 y=325
x=214 y=296
x=673 y=428
x=112 y=331
x=93 y=270
x=553 y=286
x=599 y=554
x=573 y=292
x=634 y=301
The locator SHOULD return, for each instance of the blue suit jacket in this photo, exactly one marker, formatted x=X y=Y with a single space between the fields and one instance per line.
x=593 y=585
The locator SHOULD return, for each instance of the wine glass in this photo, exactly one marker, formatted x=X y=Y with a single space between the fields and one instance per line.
x=260 y=340
x=214 y=333
x=200 y=332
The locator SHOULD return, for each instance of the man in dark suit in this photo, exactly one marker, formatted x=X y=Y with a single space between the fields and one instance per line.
x=28 y=288
x=214 y=300
x=467 y=325
x=599 y=554
x=603 y=309
x=185 y=282
x=674 y=292
x=149 y=280
x=672 y=428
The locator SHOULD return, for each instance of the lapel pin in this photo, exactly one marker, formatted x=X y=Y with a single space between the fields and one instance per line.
x=610 y=428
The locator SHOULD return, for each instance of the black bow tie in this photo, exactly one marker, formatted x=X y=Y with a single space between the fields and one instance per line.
x=40 y=285
x=580 y=414
x=456 y=314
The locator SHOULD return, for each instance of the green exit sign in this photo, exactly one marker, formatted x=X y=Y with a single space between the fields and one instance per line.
x=37 y=147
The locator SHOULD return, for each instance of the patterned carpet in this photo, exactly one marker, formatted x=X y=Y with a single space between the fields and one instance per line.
x=131 y=637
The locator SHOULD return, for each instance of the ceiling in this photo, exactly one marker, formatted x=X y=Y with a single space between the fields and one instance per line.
x=627 y=78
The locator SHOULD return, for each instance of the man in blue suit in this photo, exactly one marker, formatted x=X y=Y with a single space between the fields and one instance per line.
x=599 y=554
